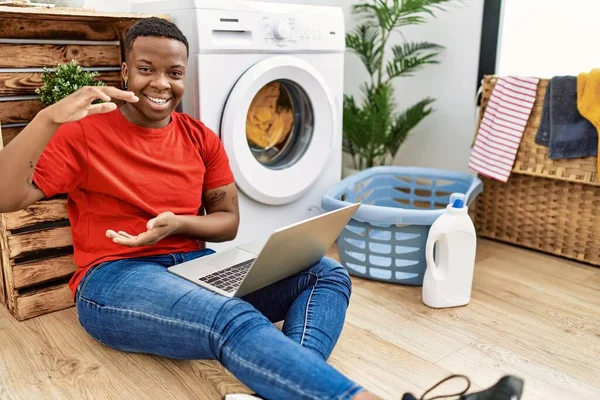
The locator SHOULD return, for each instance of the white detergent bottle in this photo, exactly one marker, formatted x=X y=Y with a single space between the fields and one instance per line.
x=449 y=275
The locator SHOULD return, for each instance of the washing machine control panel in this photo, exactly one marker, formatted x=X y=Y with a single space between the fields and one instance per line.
x=281 y=30
x=293 y=32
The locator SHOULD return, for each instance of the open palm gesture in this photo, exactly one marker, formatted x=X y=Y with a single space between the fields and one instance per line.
x=165 y=224
x=79 y=105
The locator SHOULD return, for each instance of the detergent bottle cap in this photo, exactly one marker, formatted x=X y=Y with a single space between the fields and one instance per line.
x=457 y=202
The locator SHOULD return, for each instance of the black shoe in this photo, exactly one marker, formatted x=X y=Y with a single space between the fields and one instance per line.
x=507 y=388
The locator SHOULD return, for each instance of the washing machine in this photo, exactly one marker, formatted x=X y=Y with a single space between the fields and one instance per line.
x=268 y=79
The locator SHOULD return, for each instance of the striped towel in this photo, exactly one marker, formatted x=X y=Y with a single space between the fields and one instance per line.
x=502 y=126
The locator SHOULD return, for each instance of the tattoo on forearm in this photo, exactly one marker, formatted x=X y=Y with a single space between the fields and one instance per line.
x=29 y=179
x=217 y=197
x=235 y=201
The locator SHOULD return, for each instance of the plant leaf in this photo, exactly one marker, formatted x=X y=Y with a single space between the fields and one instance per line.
x=66 y=79
x=367 y=128
x=366 y=42
x=410 y=57
x=352 y=126
x=405 y=122
x=415 y=12
x=379 y=109
x=399 y=13
x=374 y=14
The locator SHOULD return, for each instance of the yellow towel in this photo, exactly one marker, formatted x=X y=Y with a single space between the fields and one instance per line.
x=588 y=101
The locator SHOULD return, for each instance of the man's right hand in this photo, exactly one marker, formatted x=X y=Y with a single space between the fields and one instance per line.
x=79 y=105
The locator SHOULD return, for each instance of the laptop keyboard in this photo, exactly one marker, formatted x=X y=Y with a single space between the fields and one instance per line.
x=228 y=279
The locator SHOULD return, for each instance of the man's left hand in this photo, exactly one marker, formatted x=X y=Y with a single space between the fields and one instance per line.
x=165 y=224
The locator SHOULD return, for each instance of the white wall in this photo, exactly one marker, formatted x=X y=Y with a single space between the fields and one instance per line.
x=443 y=139
x=545 y=38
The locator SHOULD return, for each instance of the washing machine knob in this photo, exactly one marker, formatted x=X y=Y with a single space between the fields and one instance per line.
x=281 y=30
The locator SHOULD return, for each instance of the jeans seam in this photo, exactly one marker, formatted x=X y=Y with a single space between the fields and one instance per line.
x=153 y=316
x=278 y=378
x=345 y=393
x=307 y=307
x=86 y=278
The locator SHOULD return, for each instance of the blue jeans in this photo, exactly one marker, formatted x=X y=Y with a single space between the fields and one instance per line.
x=136 y=305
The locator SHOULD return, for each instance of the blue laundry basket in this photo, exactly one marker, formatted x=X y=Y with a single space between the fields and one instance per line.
x=385 y=240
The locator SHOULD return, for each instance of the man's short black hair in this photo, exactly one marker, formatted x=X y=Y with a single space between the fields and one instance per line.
x=155 y=27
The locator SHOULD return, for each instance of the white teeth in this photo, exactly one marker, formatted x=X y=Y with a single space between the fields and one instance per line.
x=157 y=101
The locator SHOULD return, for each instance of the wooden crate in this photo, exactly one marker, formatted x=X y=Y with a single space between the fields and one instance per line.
x=35 y=244
x=37 y=260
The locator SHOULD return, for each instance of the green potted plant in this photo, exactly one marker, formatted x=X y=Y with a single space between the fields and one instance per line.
x=66 y=79
x=373 y=130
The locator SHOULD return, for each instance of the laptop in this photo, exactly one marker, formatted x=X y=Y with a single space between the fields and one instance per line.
x=248 y=267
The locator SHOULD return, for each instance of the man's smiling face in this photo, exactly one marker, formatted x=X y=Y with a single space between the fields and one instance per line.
x=155 y=71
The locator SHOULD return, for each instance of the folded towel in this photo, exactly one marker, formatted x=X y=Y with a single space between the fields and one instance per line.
x=588 y=99
x=565 y=132
x=502 y=127
x=542 y=137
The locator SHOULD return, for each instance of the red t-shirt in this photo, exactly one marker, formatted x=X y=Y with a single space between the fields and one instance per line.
x=119 y=175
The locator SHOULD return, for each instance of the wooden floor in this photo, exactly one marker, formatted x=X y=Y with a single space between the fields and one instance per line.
x=532 y=315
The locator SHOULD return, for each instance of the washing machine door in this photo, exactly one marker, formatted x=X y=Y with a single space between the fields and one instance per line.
x=277 y=129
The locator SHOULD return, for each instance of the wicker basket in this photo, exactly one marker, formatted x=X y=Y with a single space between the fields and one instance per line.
x=548 y=205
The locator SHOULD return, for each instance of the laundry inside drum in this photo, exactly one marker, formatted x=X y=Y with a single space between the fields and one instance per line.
x=279 y=124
